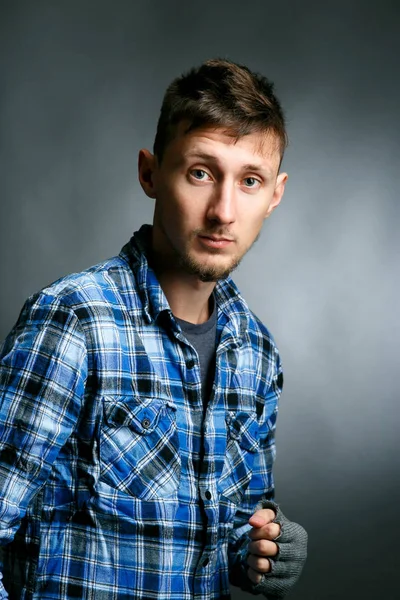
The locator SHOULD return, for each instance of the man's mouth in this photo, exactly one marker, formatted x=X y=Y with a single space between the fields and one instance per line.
x=214 y=241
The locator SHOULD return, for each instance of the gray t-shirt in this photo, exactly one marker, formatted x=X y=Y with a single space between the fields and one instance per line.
x=203 y=339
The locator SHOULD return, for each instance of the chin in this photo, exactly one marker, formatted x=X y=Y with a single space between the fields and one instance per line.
x=206 y=272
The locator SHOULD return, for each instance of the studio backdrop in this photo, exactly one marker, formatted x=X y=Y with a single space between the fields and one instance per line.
x=81 y=83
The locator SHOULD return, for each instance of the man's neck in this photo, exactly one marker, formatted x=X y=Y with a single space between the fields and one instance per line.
x=188 y=297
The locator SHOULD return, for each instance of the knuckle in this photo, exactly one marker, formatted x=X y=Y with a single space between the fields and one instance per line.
x=260 y=564
x=271 y=514
x=263 y=546
x=274 y=530
x=268 y=530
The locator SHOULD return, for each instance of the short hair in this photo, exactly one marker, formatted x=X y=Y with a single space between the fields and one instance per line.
x=225 y=94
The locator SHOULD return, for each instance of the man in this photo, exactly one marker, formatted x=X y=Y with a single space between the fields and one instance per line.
x=138 y=399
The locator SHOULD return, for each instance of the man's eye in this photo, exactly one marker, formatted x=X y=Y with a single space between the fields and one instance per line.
x=252 y=182
x=199 y=174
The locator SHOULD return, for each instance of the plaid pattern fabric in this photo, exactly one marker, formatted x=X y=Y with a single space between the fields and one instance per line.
x=111 y=485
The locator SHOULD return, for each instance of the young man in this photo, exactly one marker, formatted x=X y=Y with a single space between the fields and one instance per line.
x=138 y=398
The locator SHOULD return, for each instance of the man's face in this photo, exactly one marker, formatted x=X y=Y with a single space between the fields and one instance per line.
x=212 y=196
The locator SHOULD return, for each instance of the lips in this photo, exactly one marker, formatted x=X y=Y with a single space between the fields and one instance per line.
x=218 y=239
x=212 y=241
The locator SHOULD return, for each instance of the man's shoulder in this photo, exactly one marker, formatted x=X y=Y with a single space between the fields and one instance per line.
x=107 y=282
x=259 y=326
x=98 y=276
x=239 y=309
x=260 y=335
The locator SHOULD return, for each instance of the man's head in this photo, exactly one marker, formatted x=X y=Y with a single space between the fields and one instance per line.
x=215 y=168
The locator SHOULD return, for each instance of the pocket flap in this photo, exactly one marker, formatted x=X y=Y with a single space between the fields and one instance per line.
x=243 y=427
x=142 y=414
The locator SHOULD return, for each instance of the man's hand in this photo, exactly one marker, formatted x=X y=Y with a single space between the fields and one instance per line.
x=261 y=547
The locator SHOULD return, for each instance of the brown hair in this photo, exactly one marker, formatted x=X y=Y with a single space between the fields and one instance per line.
x=224 y=94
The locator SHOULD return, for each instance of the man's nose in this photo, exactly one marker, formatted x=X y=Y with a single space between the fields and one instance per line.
x=222 y=205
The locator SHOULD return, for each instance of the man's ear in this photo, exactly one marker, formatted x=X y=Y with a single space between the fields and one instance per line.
x=147 y=163
x=278 y=193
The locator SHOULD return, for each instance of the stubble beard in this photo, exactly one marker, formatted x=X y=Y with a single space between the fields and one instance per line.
x=209 y=273
x=206 y=273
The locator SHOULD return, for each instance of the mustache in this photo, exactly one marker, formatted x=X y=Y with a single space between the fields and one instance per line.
x=217 y=231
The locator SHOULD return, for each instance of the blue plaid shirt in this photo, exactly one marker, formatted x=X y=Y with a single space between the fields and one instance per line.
x=111 y=484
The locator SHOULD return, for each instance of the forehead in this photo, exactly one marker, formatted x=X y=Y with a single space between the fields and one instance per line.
x=261 y=148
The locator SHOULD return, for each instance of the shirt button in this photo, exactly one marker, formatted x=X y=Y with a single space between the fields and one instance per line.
x=208 y=495
x=146 y=423
x=190 y=363
x=205 y=562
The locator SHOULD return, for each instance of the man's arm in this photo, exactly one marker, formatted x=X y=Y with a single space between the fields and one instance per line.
x=42 y=379
x=267 y=552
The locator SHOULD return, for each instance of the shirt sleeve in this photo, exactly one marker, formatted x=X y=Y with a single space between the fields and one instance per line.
x=42 y=379
x=261 y=486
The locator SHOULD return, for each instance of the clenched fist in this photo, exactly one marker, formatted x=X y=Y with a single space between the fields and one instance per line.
x=262 y=546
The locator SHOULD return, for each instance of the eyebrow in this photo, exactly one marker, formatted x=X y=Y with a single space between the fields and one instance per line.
x=210 y=157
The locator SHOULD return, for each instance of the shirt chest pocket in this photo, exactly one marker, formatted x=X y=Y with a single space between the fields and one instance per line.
x=241 y=447
x=139 y=446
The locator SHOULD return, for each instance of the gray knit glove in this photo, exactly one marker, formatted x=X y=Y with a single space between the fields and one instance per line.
x=286 y=567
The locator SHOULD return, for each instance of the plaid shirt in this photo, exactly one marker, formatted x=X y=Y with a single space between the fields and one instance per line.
x=111 y=484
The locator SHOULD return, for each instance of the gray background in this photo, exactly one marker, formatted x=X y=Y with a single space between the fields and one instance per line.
x=81 y=85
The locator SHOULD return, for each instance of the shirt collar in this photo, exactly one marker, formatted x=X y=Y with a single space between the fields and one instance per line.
x=135 y=252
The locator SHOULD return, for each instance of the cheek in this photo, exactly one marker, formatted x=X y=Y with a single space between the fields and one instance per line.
x=252 y=221
x=183 y=201
x=175 y=214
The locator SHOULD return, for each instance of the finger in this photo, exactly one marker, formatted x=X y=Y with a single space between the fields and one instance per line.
x=259 y=563
x=253 y=575
x=263 y=548
x=262 y=517
x=270 y=531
